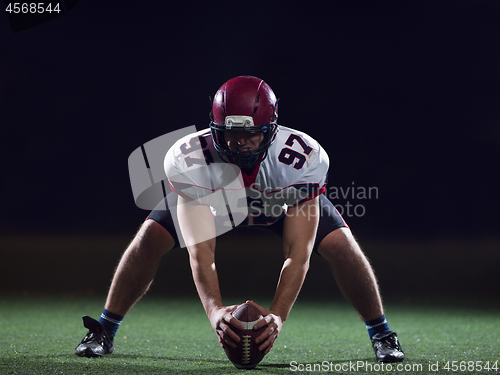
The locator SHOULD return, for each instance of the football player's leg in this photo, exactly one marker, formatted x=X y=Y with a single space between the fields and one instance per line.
x=137 y=267
x=353 y=273
x=356 y=280
x=133 y=276
x=350 y=267
x=139 y=263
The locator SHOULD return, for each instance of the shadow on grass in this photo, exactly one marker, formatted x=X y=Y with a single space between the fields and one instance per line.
x=138 y=364
x=119 y=364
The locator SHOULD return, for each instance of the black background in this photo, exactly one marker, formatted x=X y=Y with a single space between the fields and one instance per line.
x=404 y=96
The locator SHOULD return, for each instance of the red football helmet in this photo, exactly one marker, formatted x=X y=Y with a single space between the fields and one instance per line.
x=244 y=104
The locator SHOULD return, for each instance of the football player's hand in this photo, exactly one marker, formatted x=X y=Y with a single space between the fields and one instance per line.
x=221 y=321
x=274 y=324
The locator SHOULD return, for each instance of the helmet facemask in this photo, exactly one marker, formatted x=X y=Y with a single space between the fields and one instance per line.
x=243 y=124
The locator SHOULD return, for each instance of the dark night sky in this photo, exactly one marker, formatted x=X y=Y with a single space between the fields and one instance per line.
x=404 y=96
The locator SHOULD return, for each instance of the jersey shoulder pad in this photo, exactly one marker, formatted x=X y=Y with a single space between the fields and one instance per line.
x=298 y=156
x=187 y=159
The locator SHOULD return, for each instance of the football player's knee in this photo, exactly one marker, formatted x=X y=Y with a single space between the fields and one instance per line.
x=154 y=238
x=338 y=243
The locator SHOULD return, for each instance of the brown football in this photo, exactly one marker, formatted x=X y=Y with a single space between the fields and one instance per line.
x=246 y=355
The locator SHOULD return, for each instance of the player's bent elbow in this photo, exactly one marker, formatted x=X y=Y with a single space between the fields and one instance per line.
x=297 y=263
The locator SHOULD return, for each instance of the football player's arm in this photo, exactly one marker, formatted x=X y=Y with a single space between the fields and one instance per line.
x=299 y=232
x=198 y=230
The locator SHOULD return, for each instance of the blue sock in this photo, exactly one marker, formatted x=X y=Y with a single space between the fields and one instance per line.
x=377 y=325
x=110 y=321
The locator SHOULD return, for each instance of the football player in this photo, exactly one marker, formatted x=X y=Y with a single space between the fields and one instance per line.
x=281 y=174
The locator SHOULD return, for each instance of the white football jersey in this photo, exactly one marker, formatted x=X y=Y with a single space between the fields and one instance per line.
x=294 y=170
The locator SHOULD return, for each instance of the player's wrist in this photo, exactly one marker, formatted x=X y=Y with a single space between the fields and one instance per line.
x=279 y=313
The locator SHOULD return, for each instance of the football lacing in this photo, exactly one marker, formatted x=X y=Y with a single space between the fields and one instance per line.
x=246 y=349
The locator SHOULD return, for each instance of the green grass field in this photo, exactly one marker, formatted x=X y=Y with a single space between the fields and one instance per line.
x=173 y=336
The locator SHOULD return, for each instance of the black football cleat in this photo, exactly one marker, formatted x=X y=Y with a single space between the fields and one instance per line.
x=387 y=348
x=97 y=342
